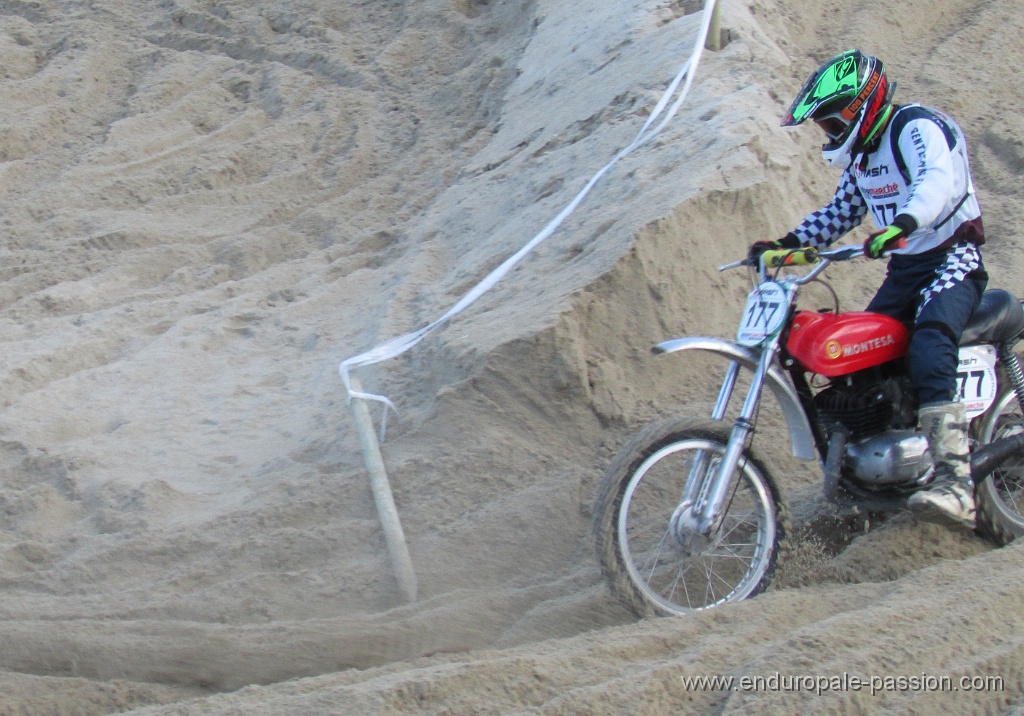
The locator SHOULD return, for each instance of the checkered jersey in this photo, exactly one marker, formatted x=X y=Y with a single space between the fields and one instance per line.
x=844 y=214
x=964 y=258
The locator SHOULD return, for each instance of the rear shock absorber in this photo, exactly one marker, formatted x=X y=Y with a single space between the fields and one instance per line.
x=1011 y=362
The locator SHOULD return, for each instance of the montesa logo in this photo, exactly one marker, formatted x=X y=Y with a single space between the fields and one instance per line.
x=865 y=346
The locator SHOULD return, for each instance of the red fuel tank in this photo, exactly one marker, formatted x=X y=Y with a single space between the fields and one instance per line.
x=834 y=345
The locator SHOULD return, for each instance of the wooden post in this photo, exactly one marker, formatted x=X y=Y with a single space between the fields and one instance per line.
x=383 y=497
x=714 y=39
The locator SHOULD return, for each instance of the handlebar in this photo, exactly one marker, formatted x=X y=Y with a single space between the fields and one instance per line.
x=800 y=257
x=789 y=257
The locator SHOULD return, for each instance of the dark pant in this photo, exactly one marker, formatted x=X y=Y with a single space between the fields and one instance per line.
x=934 y=294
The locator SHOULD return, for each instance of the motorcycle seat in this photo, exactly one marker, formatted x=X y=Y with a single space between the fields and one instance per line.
x=999 y=318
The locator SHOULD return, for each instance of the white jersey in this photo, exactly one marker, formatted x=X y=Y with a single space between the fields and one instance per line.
x=920 y=169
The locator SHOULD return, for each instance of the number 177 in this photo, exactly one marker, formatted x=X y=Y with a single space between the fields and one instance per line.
x=764 y=316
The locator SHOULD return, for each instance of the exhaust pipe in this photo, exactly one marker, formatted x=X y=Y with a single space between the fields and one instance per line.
x=988 y=457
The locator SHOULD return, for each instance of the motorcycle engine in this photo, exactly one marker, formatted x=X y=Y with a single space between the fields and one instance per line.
x=896 y=458
x=877 y=409
x=868 y=402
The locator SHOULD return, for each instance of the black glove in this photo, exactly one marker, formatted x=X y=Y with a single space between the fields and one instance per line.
x=789 y=241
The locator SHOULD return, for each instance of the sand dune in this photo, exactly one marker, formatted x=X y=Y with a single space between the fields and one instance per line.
x=206 y=206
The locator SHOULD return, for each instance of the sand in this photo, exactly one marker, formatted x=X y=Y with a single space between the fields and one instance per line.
x=207 y=205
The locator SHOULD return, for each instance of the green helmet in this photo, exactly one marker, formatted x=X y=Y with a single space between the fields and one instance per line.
x=849 y=98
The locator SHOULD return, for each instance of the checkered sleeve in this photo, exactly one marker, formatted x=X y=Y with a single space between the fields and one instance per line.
x=963 y=260
x=844 y=213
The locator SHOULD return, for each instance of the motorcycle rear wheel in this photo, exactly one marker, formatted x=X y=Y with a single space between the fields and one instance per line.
x=654 y=570
x=1000 y=496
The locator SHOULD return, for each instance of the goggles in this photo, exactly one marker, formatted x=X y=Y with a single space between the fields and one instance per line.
x=833 y=125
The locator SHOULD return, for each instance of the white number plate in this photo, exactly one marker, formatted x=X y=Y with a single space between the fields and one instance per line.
x=764 y=315
x=976 y=379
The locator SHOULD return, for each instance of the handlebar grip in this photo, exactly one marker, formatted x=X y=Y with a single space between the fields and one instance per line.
x=789 y=257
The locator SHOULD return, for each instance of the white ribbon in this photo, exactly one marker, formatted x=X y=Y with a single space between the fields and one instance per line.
x=399 y=345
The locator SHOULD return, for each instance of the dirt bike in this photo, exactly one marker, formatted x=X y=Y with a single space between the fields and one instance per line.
x=688 y=516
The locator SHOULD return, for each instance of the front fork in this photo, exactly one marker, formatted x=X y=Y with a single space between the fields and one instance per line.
x=705 y=494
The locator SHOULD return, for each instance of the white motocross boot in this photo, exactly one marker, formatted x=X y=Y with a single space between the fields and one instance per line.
x=950 y=498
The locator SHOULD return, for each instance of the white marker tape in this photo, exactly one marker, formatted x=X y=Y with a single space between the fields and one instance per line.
x=399 y=345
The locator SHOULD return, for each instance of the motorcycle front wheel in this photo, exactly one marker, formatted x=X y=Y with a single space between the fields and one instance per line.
x=655 y=568
x=1000 y=496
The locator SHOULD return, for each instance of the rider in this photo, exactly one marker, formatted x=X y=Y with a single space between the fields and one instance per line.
x=908 y=166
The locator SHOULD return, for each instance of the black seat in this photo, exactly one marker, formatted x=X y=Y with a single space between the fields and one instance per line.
x=999 y=319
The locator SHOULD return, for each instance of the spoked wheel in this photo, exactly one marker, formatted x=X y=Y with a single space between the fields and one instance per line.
x=653 y=563
x=1000 y=496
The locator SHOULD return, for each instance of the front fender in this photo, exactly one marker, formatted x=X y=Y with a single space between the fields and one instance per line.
x=801 y=438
